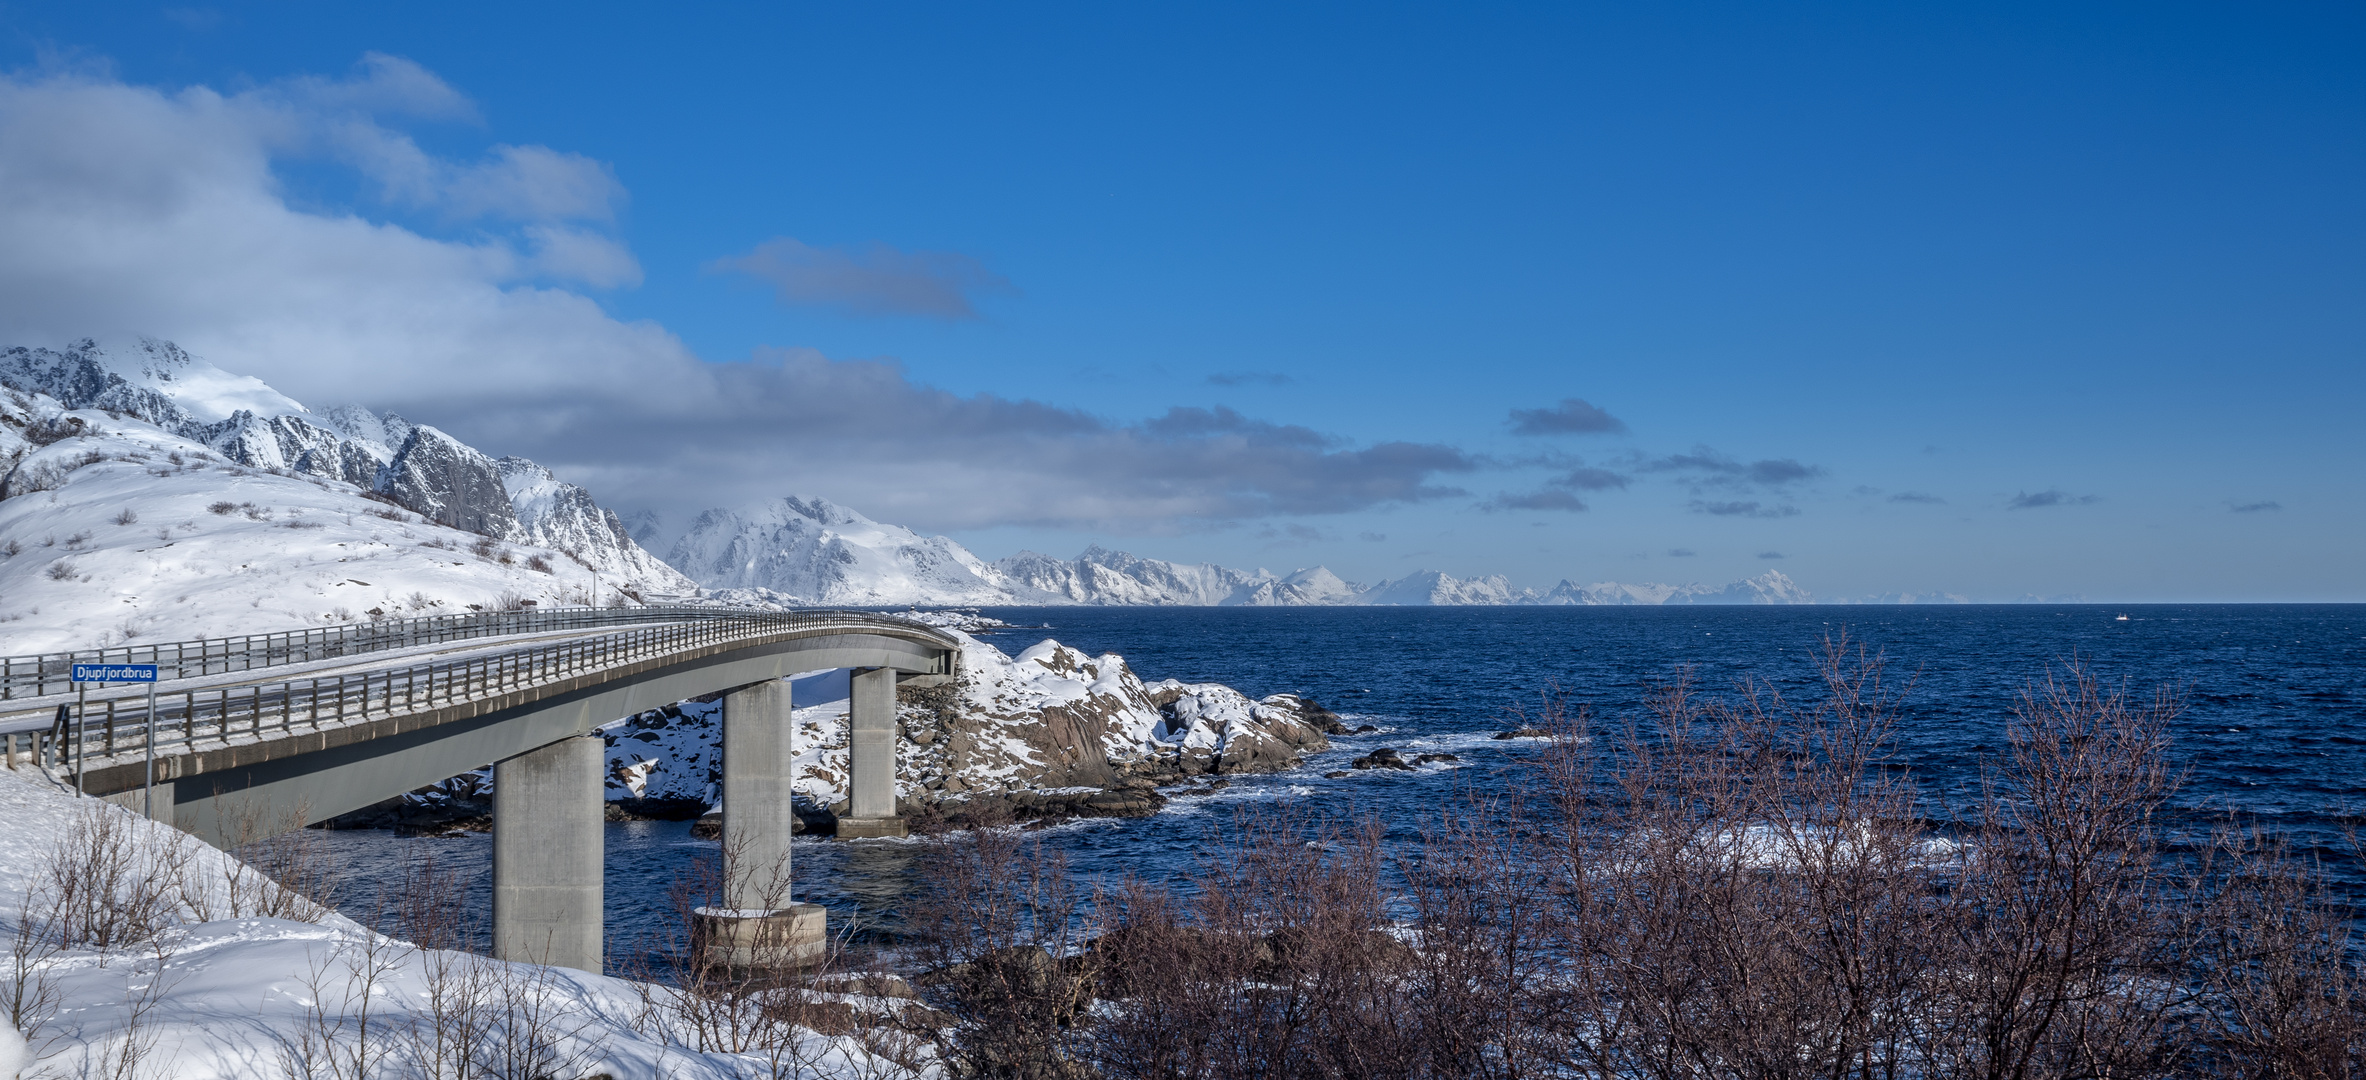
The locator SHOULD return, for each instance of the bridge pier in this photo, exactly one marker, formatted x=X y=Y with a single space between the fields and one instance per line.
x=758 y=926
x=548 y=854
x=870 y=765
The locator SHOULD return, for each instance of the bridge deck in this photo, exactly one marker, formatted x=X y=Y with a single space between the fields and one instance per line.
x=227 y=710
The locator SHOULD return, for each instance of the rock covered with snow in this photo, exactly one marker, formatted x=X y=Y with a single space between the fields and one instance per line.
x=450 y=483
x=1052 y=721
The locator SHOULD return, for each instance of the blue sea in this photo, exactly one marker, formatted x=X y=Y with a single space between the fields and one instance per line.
x=2274 y=720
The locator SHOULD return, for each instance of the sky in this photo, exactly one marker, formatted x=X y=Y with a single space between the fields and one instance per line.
x=1992 y=300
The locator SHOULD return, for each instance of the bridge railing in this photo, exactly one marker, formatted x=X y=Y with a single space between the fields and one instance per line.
x=219 y=716
x=50 y=673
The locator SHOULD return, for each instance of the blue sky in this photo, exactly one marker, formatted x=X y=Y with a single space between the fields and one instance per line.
x=1996 y=300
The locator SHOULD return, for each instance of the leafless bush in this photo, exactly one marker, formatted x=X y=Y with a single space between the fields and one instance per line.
x=164 y=534
x=223 y=507
x=282 y=870
x=45 y=432
x=537 y=562
x=1725 y=886
x=76 y=541
x=11 y=547
x=300 y=523
x=254 y=512
x=689 y=1000
x=1002 y=931
x=509 y=601
x=389 y=513
x=127 y=516
x=62 y=570
x=484 y=547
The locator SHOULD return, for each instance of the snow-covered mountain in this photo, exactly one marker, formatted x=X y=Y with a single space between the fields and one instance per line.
x=818 y=552
x=823 y=553
x=148 y=494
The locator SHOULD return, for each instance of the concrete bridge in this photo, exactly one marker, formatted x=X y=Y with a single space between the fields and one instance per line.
x=253 y=736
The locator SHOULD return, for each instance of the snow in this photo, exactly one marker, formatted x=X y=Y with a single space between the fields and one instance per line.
x=218 y=994
x=1002 y=705
x=130 y=533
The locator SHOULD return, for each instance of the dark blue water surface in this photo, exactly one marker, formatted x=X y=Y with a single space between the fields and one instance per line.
x=2274 y=720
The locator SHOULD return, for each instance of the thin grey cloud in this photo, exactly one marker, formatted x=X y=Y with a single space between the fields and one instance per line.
x=1292 y=534
x=1705 y=467
x=1681 y=553
x=1372 y=537
x=1536 y=500
x=870 y=279
x=2254 y=507
x=1589 y=480
x=1573 y=416
x=2049 y=497
x=1915 y=497
x=1770 y=555
x=1751 y=508
x=1250 y=378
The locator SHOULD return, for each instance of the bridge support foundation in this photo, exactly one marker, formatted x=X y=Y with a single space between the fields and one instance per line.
x=759 y=927
x=871 y=724
x=548 y=854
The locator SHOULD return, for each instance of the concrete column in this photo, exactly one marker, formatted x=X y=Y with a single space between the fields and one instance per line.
x=870 y=719
x=756 y=816
x=548 y=853
x=758 y=926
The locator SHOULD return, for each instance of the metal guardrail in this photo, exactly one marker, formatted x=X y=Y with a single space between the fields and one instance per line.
x=219 y=716
x=48 y=673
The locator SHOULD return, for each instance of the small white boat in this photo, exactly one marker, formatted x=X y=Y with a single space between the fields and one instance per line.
x=2122 y=618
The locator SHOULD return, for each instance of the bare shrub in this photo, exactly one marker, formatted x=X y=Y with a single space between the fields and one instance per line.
x=281 y=869
x=127 y=516
x=164 y=534
x=2282 y=969
x=254 y=512
x=45 y=432
x=538 y=563
x=76 y=541
x=104 y=886
x=1002 y=929
x=11 y=547
x=63 y=570
x=484 y=547
x=1726 y=886
x=389 y=514
x=222 y=507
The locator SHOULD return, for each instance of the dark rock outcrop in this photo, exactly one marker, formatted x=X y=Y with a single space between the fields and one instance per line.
x=448 y=482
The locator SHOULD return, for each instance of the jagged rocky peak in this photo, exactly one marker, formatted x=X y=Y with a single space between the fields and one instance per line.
x=829 y=554
x=153 y=380
x=359 y=423
x=450 y=483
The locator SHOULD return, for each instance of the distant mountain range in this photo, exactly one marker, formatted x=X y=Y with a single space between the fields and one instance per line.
x=822 y=553
x=799 y=550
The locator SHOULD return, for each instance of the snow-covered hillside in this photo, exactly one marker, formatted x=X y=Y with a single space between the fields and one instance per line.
x=129 y=512
x=139 y=951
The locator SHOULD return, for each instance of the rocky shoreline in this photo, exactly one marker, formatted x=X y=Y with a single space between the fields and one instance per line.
x=1052 y=735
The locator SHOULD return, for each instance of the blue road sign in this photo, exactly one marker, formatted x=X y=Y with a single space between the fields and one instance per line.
x=114 y=673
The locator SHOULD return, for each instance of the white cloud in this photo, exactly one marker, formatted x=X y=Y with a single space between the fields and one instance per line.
x=129 y=210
